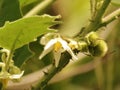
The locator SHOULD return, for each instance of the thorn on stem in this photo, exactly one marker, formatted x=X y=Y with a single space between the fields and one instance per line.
x=45 y=72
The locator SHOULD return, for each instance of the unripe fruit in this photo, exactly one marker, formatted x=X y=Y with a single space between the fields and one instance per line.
x=100 y=49
x=82 y=46
x=91 y=38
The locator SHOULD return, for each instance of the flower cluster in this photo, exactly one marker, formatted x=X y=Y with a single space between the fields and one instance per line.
x=58 y=45
x=6 y=75
x=12 y=73
x=91 y=44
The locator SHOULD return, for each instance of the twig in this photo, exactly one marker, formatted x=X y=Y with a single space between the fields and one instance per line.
x=39 y=7
x=70 y=71
x=96 y=22
x=64 y=60
x=114 y=15
x=47 y=76
x=93 y=5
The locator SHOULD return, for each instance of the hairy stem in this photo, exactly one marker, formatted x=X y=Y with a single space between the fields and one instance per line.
x=93 y=5
x=39 y=7
x=64 y=60
x=96 y=22
x=47 y=76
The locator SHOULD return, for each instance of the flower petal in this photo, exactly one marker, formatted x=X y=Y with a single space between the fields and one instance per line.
x=57 y=56
x=45 y=52
x=48 y=48
x=74 y=57
x=16 y=76
x=66 y=47
x=64 y=43
x=69 y=50
x=50 y=44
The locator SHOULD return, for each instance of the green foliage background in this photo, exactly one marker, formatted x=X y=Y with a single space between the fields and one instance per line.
x=104 y=73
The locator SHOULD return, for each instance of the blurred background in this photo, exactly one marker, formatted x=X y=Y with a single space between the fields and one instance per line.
x=87 y=73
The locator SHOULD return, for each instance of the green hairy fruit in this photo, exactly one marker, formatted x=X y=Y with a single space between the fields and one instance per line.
x=100 y=49
x=91 y=38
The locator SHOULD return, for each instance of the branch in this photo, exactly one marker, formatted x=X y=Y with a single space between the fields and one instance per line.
x=39 y=7
x=64 y=60
x=114 y=15
x=27 y=81
x=96 y=22
x=47 y=76
x=101 y=11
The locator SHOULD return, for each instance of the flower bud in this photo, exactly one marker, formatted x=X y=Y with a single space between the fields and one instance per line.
x=82 y=46
x=91 y=38
x=100 y=49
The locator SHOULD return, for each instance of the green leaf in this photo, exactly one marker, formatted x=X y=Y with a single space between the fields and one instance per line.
x=116 y=2
x=21 y=55
x=9 y=11
x=20 y=32
x=27 y=2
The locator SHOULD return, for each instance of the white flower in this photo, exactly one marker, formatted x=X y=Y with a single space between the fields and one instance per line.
x=16 y=76
x=58 y=45
x=6 y=75
x=73 y=44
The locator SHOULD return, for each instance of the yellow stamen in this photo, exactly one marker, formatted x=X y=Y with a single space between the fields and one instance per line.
x=57 y=46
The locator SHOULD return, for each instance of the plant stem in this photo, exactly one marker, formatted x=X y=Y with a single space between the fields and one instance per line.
x=93 y=5
x=39 y=7
x=64 y=60
x=8 y=60
x=114 y=15
x=96 y=22
x=48 y=75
